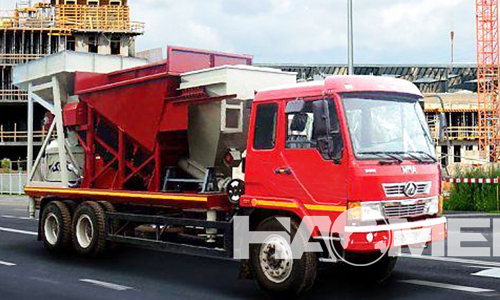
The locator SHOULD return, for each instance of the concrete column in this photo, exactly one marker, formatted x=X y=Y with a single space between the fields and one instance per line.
x=81 y=43
x=126 y=48
x=61 y=43
x=104 y=45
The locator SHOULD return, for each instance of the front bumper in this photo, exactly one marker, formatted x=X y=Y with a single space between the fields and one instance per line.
x=382 y=236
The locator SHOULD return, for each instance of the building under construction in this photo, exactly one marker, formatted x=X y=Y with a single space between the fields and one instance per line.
x=35 y=29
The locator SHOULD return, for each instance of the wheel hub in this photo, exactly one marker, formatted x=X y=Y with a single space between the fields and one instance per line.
x=84 y=231
x=276 y=259
x=51 y=228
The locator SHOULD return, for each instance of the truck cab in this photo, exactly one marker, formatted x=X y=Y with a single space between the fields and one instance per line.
x=353 y=145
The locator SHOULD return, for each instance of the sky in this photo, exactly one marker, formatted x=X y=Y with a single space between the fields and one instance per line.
x=312 y=31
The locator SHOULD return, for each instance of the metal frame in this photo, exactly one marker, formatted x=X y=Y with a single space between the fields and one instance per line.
x=488 y=62
x=157 y=243
x=56 y=109
x=127 y=169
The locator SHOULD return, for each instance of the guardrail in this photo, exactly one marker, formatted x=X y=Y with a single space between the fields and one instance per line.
x=12 y=59
x=458 y=132
x=13 y=183
x=13 y=95
x=16 y=136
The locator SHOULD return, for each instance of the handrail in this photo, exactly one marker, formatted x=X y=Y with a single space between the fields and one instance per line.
x=458 y=132
x=15 y=135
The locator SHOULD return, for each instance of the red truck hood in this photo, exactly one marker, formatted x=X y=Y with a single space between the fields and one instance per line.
x=367 y=178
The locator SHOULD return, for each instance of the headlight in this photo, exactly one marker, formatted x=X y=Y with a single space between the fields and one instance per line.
x=364 y=211
x=433 y=207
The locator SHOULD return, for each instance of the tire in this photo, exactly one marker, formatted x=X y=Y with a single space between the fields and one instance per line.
x=55 y=227
x=89 y=229
x=295 y=277
x=115 y=225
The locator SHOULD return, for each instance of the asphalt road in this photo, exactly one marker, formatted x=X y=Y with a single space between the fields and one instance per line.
x=27 y=271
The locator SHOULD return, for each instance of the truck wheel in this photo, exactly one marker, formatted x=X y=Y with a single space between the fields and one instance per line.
x=115 y=225
x=56 y=226
x=89 y=229
x=283 y=277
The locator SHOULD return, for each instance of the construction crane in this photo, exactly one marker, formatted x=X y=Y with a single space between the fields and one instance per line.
x=487 y=78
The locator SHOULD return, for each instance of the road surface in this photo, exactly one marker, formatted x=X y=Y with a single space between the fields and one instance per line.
x=27 y=271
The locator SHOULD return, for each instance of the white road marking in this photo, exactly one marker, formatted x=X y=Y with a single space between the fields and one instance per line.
x=108 y=285
x=8 y=264
x=14 y=217
x=18 y=231
x=454 y=260
x=492 y=273
x=448 y=286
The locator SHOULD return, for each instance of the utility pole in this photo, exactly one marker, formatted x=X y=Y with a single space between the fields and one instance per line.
x=350 y=39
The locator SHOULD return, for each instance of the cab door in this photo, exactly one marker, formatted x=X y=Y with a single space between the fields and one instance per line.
x=288 y=154
x=314 y=152
x=267 y=175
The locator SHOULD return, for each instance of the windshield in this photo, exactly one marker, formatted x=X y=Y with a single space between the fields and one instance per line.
x=392 y=127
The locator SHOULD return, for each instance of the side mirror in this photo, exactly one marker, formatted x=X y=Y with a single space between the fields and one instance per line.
x=442 y=126
x=327 y=131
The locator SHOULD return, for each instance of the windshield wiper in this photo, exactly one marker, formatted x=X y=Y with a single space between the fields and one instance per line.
x=411 y=154
x=382 y=154
x=431 y=158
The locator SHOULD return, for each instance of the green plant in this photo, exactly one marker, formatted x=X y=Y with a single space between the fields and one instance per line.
x=5 y=165
x=474 y=197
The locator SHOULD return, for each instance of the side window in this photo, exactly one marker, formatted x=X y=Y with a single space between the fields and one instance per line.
x=305 y=128
x=315 y=126
x=300 y=133
x=265 y=126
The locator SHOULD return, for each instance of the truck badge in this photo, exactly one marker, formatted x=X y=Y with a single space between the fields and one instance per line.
x=410 y=189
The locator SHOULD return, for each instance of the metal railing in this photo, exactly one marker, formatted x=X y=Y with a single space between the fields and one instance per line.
x=458 y=132
x=12 y=59
x=17 y=136
x=13 y=95
x=13 y=183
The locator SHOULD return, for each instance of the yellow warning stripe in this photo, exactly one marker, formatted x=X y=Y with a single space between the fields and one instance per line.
x=275 y=203
x=268 y=203
x=117 y=194
x=325 y=207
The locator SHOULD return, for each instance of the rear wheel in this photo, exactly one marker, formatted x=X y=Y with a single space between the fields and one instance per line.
x=282 y=275
x=114 y=225
x=89 y=229
x=56 y=226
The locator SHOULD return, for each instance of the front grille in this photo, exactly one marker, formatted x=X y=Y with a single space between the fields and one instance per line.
x=408 y=209
x=397 y=189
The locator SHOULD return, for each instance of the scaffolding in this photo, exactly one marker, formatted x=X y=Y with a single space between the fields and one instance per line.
x=67 y=18
x=33 y=30
x=487 y=78
x=101 y=18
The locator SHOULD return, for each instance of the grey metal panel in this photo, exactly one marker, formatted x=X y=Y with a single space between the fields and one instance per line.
x=42 y=69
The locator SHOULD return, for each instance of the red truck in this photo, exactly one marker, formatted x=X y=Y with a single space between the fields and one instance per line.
x=168 y=155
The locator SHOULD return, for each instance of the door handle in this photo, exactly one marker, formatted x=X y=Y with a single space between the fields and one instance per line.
x=283 y=171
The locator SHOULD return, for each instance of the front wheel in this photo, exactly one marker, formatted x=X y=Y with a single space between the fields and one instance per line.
x=273 y=265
